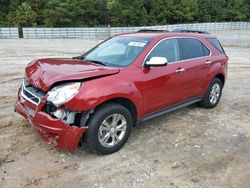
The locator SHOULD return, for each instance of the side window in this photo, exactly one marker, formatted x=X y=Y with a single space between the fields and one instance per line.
x=193 y=48
x=216 y=44
x=206 y=51
x=168 y=48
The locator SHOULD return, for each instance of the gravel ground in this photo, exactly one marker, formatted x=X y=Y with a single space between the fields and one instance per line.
x=192 y=147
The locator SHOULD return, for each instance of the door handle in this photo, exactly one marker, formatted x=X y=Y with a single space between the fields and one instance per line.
x=208 y=62
x=180 y=70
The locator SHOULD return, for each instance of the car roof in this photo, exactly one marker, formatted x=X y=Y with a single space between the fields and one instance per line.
x=153 y=35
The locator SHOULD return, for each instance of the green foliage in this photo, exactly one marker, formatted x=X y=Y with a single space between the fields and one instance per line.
x=185 y=11
x=4 y=8
x=236 y=10
x=120 y=12
x=161 y=11
x=23 y=16
x=75 y=13
x=127 y=12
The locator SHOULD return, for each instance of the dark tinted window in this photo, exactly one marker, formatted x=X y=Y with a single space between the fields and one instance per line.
x=206 y=51
x=193 y=48
x=216 y=44
x=168 y=48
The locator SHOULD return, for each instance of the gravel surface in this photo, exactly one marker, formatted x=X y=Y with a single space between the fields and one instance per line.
x=191 y=147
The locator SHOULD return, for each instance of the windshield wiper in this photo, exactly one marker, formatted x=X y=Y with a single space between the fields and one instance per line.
x=77 y=57
x=96 y=62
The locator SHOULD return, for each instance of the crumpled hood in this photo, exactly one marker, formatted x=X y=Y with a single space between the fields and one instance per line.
x=43 y=73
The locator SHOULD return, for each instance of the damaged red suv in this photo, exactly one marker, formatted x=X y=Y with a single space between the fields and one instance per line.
x=98 y=97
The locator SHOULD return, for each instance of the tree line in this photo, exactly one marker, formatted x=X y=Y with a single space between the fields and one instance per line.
x=77 y=13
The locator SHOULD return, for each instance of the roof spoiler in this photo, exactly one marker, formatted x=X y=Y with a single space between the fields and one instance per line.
x=190 y=31
x=151 y=31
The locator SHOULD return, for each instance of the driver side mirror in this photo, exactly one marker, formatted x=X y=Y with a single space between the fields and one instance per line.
x=156 y=62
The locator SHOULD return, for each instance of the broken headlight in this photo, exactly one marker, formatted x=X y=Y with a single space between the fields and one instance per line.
x=63 y=93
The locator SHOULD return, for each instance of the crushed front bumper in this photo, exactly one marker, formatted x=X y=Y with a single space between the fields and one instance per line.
x=54 y=131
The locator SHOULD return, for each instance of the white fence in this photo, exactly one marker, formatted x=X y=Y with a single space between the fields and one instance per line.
x=64 y=32
x=104 y=32
x=9 y=32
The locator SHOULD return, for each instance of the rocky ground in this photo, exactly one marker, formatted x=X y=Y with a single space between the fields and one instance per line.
x=192 y=147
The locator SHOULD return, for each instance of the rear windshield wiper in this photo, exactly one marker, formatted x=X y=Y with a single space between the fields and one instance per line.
x=96 y=62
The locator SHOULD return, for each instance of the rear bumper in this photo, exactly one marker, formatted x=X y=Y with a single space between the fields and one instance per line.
x=53 y=131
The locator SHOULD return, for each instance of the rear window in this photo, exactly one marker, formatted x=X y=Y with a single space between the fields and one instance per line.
x=216 y=44
x=193 y=48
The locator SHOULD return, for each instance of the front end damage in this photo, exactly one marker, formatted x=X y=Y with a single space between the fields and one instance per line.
x=58 y=126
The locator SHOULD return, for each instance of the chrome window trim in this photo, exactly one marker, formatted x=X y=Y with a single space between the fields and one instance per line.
x=168 y=38
x=28 y=99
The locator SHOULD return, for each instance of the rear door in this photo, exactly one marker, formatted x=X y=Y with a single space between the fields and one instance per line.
x=195 y=60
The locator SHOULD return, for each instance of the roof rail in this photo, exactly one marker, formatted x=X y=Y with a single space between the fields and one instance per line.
x=151 y=31
x=190 y=31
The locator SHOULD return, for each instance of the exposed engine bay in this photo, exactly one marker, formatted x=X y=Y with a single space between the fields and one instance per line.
x=69 y=117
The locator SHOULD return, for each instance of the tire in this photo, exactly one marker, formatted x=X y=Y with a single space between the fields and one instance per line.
x=213 y=91
x=103 y=136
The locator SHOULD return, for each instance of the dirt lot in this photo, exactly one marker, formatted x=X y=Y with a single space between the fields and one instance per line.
x=192 y=147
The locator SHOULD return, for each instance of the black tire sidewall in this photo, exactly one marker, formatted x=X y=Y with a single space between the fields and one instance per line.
x=94 y=124
x=206 y=102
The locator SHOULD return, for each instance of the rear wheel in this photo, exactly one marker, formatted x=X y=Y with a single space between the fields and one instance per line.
x=108 y=128
x=213 y=94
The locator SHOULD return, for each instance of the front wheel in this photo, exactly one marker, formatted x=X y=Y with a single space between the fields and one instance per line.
x=108 y=128
x=213 y=94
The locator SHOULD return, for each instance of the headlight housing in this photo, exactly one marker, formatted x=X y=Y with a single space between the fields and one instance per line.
x=63 y=93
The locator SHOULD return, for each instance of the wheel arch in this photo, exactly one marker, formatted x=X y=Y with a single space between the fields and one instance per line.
x=221 y=77
x=127 y=103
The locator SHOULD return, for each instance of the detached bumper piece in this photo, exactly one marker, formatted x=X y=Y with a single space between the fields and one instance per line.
x=54 y=131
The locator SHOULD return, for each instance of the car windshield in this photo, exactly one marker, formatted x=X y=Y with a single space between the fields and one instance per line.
x=117 y=52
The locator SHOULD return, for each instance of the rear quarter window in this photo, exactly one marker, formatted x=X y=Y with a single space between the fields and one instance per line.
x=193 y=48
x=216 y=44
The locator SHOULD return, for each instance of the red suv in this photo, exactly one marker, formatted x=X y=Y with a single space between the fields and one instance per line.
x=98 y=97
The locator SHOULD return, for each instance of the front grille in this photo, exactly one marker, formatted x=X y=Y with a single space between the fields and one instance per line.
x=31 y=93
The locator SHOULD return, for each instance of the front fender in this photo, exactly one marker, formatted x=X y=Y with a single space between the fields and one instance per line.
x=97 y=91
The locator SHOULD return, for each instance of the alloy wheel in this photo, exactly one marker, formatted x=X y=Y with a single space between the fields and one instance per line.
x=214 y=93
x=112 y=130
